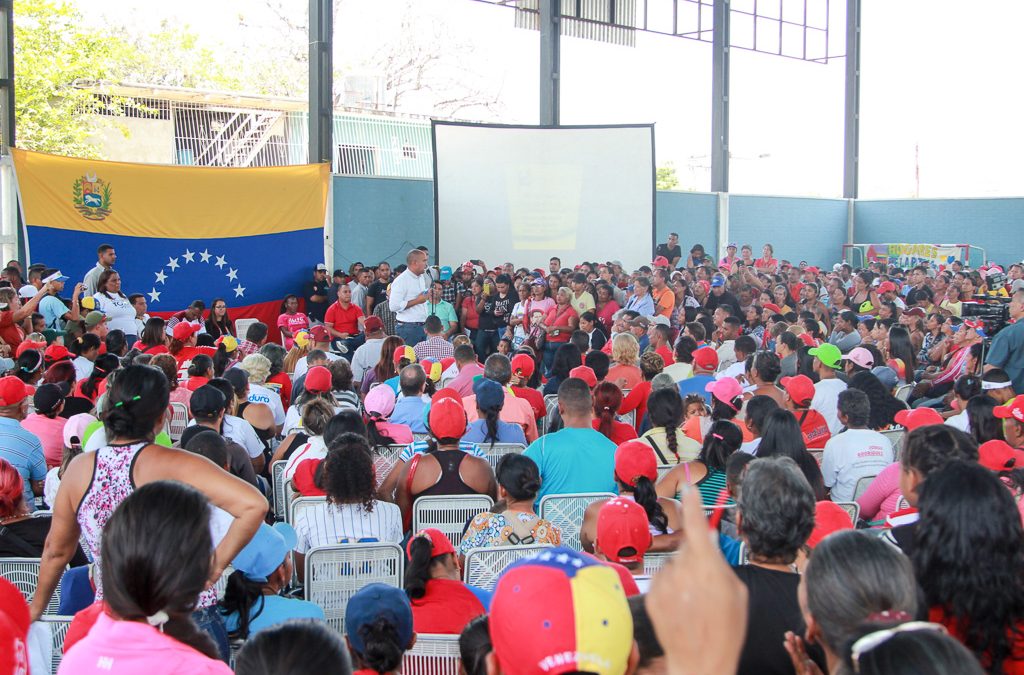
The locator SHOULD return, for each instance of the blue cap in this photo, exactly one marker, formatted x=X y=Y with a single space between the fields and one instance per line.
x=489 y=394
x=446 y=273
x=717 y=281
x=378 y=601
x=886 y=375
x=265 y=551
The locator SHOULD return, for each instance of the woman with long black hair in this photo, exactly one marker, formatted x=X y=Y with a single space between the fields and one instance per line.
x=488 y=427
x=884 y=405
x=900 y=347
x=968 y=556
x=782 y=436
x=218 y=323
x=665 y=413
x=441 y=603
x=707 y=472
x=90 y=388
x=636 y=472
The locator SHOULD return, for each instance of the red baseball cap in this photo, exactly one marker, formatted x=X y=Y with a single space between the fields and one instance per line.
x=660 y=261
x=799 y=387
x=807 y=339
x=447 y=392
x=771 y=306
x=372 y=323
x=1012 y=410
x=996 y=455
x=56 y=353
x=446 y=418
x=622 y=525
x=918 y=417
x=706 y=358
x=633 y=459
x=585 y=373
x=523 y=365
x=829 y=517
x=439 y=543
x=14 y=624
x=318 y=380
x=183 y=330
x=320 y=334
x=13 y=391
x=27 y=345
x=812 y=269
x=886 y=287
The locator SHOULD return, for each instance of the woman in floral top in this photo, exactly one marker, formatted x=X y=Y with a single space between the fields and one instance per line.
x=513 y=521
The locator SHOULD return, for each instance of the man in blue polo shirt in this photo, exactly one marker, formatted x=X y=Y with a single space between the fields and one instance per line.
x=576 y=458
x=18 y=446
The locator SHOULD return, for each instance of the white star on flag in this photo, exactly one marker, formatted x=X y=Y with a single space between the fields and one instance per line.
x=189 y=256
x=172 y=263
x=205 y=256
x=161 y=277
x=239 y=291
x=232 y=274
x=221 y=261
x=154 y=295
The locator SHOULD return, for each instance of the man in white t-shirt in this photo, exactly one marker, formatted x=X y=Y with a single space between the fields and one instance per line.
x=260 y=394
x=827 y=360
x=368 y=353
x=320 y=340
x=857 y=452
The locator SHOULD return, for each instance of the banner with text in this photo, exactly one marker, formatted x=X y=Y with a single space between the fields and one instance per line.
x=911 y=255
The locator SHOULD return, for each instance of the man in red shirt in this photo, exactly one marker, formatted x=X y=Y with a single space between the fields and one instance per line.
x=1012 y=415
x=13 y=315
x=799 y=393
x=345 y=322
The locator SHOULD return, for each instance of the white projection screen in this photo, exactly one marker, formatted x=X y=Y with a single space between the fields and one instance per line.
x=524 y=194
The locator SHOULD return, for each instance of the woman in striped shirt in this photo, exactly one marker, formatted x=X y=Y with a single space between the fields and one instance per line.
x=707 y=472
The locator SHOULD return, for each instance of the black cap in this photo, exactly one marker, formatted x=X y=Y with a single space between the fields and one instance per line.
x=207 y=401
x=47 y=397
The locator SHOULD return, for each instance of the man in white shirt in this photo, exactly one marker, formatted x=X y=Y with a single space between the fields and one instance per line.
x=743 y=347
x=106 y=257
x=827 y=360
x=730 y=330
x=857 y=452
x=409 y=293
x=320 y=341
x=368 y=354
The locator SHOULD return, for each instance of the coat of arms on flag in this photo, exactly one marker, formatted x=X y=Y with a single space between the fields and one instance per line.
x=92 y=197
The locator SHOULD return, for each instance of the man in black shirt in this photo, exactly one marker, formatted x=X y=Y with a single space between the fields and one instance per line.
x=670 y=251
x=377 y=292
x=495 y=307
x=315 y=293
x=719 y=296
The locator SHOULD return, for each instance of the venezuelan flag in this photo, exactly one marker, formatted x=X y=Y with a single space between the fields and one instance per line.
x=248 y=235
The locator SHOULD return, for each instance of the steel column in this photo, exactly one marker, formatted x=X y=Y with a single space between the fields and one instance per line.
x=720 y=97
x=851 y=108
x=321 y=81
x=550 y=62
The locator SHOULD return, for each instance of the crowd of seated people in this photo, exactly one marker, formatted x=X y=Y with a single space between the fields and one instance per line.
x=787 y=401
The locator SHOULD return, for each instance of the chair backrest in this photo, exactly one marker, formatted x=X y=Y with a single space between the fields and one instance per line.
x=277 y=478
x=388 y=457
x=290 y=495
x=433 y=655
x=664 y=469
x=448 y=513
x=499 y=450
x=242 y=327
x=417 y=438
x=902 y=503
x=628 y=418
x=895 y=437
x=654 y=561
x=904 y=391
x=852 y=508
x=24 y=574
x=58 y=626
x=566 y=513
x=179 y=421
x=335 y=573
x=710 y=510
x=550 y=405
x=862 y=484
x=485 y=564
x=296 y=506
x=744 y=554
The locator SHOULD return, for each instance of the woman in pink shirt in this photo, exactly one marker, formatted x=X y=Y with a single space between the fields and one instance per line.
x=291 y=320
x=46 y=422
x=379 y=404
x=157 y=551
x=880 y=499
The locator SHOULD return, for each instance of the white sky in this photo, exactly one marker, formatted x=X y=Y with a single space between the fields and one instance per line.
x=937 y=82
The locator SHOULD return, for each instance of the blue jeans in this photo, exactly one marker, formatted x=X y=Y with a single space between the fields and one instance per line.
x=210 y=621
x=412 y=333
x=549 y=355
x=351 y=343
x=486 y=342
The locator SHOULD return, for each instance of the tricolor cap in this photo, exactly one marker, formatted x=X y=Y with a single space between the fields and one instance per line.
x=997 y=455
x=523 y=365
x=1012 y=410
x=88 y=303
x=918 y=417
x=623 y=531
x=977 y=325
x=800 y=389
x=230 y=342
x=560 y=612
x=266 y=551
x=432 y=369
x=302 y=339
x=404 y=352
x=635 y=459
x=828 y=354
x=374 y=602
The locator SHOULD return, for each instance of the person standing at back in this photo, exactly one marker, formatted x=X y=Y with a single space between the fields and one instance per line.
x=106 y=257
x=315 y=293
x=576 y=458
x=409 y=293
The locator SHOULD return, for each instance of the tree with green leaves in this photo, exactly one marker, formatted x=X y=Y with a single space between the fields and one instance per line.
x=665 y=177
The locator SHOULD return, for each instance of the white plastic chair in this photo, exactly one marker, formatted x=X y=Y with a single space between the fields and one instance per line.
x=566 y=513
x=710 y=510
x=448 y=513
x=303 y=503
x=862 y=484
x=24 y=574
x=335 y=573
x=179 y=421
x=655 y=561
x=744 y=555
x=242 y=327
x=628 y=418
x=58 y=631
x=550 y=405
x=494 y=453
x=420 y=438
x=433 y=655
x=902 y=503
x=485 y=564
x=277 y=478
x=895 y=437
x=903 y=392
x=851 y=508
x=290 y=495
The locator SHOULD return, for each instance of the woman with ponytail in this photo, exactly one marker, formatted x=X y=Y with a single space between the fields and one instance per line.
x=665 y=413
x=378 y=406
x=91 y=387
x=29 y=367
x=95 y=483
x=85 y=347
x=378 y=629
x=488 y=428
x=607 y=399
x=707 y=472
x=441 y=603
x=226 y=355
x=636 y=472
x=157 y=554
